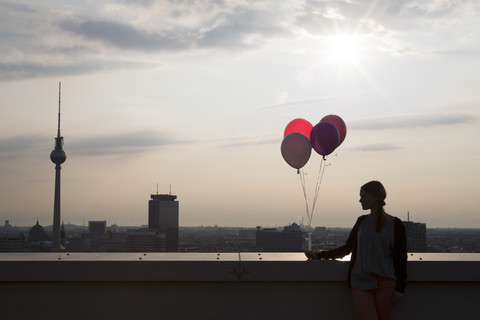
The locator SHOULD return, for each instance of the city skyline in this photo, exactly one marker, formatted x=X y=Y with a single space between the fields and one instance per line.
x=194 y=97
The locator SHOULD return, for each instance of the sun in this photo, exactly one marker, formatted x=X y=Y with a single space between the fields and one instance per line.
x=343 y=49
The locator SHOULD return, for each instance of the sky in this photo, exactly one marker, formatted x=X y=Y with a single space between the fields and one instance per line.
x=192 y=98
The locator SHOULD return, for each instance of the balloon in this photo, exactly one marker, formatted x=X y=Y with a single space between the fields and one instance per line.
x=298 y=125
x=296 y=149
x=324 y=138
x=339 y=124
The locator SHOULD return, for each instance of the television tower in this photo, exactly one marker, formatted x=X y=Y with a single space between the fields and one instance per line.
x=58 y=157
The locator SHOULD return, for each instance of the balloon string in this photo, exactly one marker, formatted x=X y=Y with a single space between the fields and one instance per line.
x=321 y=170
x=302 y=181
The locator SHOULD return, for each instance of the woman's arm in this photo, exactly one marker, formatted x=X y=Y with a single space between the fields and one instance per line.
x=339 y=252
x=400 y=255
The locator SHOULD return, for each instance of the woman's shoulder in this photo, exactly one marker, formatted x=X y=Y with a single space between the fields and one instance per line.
x=393 y=218
x=396 y=221
x=361 y=218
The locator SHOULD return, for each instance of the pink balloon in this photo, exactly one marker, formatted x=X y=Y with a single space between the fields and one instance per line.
x=339 y=124
x=324 y=138
x=296 y=149
x=298 y=125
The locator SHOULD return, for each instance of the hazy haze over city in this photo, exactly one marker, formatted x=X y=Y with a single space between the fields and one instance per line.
x=195 y=96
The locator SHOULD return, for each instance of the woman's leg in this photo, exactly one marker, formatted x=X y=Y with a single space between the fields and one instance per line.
x=384 y=298
x=365 y=305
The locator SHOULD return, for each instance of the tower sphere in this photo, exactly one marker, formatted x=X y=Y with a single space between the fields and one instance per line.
x=58 y=156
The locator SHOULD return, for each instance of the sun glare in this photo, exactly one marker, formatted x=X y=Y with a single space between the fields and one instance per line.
x=343 y=49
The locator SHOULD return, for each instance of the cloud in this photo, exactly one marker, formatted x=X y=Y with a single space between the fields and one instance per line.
x=124 y=143
x=24 y=70
x=410 y=121
x=24 y=150
x=298 y=103
x=127 y=143
x=375 y=147
x=248 y=141
x=22 y=143
x=245 y=29
x=322 y=16
x=127 y=37
x=62 y=41
x=146 y=3
x=400 y=28
x=38 y=40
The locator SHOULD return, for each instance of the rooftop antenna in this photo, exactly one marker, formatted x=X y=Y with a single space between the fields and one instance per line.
x=170 y=189
x=408 y=216
x=157 y=188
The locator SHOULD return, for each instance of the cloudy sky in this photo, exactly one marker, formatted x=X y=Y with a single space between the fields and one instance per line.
x=194 y=96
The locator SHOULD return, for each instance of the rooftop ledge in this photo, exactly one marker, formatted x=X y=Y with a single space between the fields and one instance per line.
x=220 y=286
x=246 y=267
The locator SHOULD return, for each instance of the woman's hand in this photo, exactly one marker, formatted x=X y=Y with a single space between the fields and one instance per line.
x=397 y=297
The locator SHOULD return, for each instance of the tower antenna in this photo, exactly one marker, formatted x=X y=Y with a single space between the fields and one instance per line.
x=59 y=101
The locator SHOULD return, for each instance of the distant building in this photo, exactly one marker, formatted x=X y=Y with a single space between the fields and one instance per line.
x=38 y=239
x=93 y=240
x=144 y=240
x=115 y=242
x=7 y=224
x=12 y=242
x=290 y=239
x=163 y=218
x=97 y=226
x=416 y=236
x=63 y=238
x=320 y=230
x=109 y=241
x=90 y=241
x=247 y=233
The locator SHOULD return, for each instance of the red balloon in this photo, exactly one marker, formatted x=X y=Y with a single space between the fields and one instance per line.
x=296 y=149
x=324 y=138
x=339 y=124
x=298 y=125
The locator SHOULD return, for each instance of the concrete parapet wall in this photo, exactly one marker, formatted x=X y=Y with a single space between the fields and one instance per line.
x=220 y=286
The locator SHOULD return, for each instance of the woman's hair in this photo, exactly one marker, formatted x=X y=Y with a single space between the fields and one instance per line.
x=376 y=190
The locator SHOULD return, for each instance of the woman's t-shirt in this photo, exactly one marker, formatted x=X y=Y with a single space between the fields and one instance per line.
x=374 y=254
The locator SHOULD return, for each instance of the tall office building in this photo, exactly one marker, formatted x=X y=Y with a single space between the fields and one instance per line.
x=163 y=218
x=416 y=236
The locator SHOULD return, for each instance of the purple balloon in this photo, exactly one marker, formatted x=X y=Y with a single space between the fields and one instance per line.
x=324 y=138
x=339 y=124
x=296 y=149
